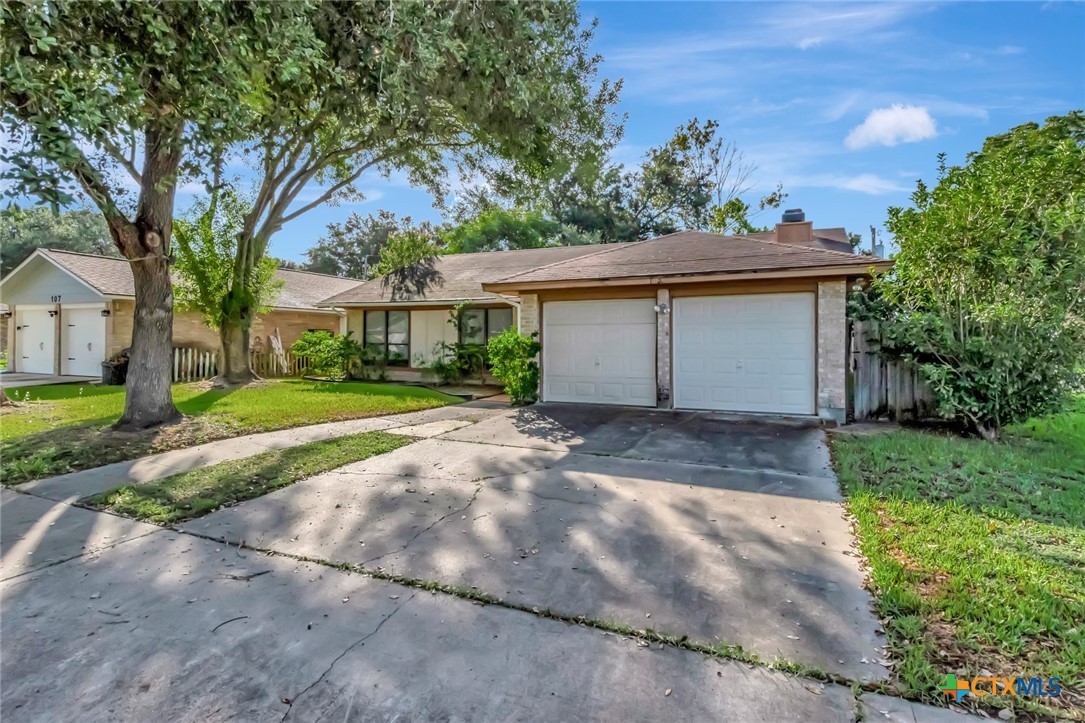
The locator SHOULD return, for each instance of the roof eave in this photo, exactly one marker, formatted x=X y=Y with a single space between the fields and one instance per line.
x=660 y=280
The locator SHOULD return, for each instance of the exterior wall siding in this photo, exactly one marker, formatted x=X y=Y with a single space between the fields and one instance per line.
x=40 y=281
x=832 y=351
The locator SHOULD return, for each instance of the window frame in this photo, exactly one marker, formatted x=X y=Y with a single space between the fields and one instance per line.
x=486 y=323
x=366 y=343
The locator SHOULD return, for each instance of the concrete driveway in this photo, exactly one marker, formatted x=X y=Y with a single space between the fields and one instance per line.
x=726 y=532
x=684 y=523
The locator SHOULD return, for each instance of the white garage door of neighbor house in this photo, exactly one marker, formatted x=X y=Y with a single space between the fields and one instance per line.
x=35 y=340
x=82 y=339
x=745 y=353
x=602 y=352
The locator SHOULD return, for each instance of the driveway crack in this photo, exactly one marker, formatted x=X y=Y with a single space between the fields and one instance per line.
x=427 y=528
x=352 y=646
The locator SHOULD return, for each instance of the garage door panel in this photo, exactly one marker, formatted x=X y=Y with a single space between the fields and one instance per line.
x=745 y=353
x=599 y=351
x=82 y=341
x=35 y=341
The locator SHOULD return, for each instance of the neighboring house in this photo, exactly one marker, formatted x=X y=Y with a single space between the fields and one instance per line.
x=68 y=312
x=688 y=321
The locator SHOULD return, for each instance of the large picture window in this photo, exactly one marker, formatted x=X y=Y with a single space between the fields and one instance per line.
x=389 y=332
x=478 y=326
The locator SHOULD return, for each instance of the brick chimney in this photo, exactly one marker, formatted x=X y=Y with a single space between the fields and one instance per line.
x=794 y=228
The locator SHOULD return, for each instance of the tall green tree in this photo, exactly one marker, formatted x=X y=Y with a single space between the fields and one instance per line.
x=501 y=229
x=100 y=96
x=352 y=248
x=417 y=86
x=408 y=262
x=987 y=294
x=22 y=230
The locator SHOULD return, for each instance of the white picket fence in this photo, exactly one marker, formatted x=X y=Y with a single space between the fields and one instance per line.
x=193 y=365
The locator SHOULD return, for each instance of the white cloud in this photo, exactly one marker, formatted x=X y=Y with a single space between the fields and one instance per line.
x=891 y=126
x=868 y=183
x=807 y=43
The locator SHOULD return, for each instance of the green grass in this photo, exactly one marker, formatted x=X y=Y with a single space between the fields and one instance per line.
x=977 y=551
x=58 y=429
x=199 y=492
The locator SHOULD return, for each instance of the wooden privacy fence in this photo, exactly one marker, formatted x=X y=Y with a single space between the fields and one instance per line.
x=883 y=388
x=193 y=365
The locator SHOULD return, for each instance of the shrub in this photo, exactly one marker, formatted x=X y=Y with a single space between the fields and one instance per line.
x=329 y=354
x=456 y=362
x=512 y=361
x=987 y=294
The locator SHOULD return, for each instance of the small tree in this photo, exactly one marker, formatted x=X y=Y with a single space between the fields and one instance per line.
x=987 y=295
x=206 y=246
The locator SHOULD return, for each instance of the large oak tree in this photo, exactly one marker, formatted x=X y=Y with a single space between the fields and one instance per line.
x=118 y=100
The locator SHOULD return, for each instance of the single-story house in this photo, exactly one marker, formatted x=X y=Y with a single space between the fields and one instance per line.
x=691 y=320
x=68 y=312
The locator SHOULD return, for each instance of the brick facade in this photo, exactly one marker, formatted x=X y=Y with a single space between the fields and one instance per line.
x=663 y=351
x=832 y=358
x=189 y=330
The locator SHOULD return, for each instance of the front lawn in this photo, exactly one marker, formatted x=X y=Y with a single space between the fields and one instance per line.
x=977 y=553
x=202 y=491
x=58 y=429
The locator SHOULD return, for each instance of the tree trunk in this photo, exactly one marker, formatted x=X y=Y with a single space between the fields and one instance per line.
x=235 y=366
x=145 y=243
x=148 y=400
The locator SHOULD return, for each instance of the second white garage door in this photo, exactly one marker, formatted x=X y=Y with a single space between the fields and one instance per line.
x=82 y=340
x=600 y=351
x=745 y=353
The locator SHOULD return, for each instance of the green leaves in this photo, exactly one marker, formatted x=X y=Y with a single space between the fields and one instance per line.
x=987 y=295
x=512 y=361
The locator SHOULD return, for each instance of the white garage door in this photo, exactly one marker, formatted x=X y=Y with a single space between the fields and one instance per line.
x=600 y=351
x=745 y=353
x=35 y=340
x=82 y=338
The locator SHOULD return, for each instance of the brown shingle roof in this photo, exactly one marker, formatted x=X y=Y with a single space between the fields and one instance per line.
x=460 y=276
x=689 y=253
x=113 y=277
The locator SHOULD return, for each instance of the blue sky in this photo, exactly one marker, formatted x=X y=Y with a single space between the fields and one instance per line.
x=846 y=105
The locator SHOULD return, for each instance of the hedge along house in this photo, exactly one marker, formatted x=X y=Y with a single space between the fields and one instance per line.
x=698 y=321
x=68 y=312
x=407 y=316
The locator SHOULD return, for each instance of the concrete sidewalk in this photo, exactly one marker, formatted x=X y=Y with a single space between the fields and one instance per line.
x=426 y=423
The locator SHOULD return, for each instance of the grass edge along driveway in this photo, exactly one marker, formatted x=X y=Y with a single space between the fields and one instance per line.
x=198 y=492
x=66 y=428
x=977 y=555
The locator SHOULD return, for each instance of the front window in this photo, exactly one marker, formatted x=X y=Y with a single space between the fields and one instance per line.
x=388 y=333
x=478 y=326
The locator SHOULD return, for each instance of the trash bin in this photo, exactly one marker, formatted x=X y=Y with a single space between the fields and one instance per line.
x=114 y=372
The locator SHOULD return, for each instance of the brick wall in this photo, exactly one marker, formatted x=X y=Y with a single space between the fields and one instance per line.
x=832 y=360
x=189 y=329
x=529 y=314
x=663 y=352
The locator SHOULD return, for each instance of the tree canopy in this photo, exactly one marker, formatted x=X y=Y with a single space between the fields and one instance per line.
x=352 y=248
x=22 y=230
x=987 y=295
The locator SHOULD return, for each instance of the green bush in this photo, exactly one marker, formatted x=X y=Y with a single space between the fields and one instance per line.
x=327 y=354
x=456 y=362
x=987 y=294
x=512 y=361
